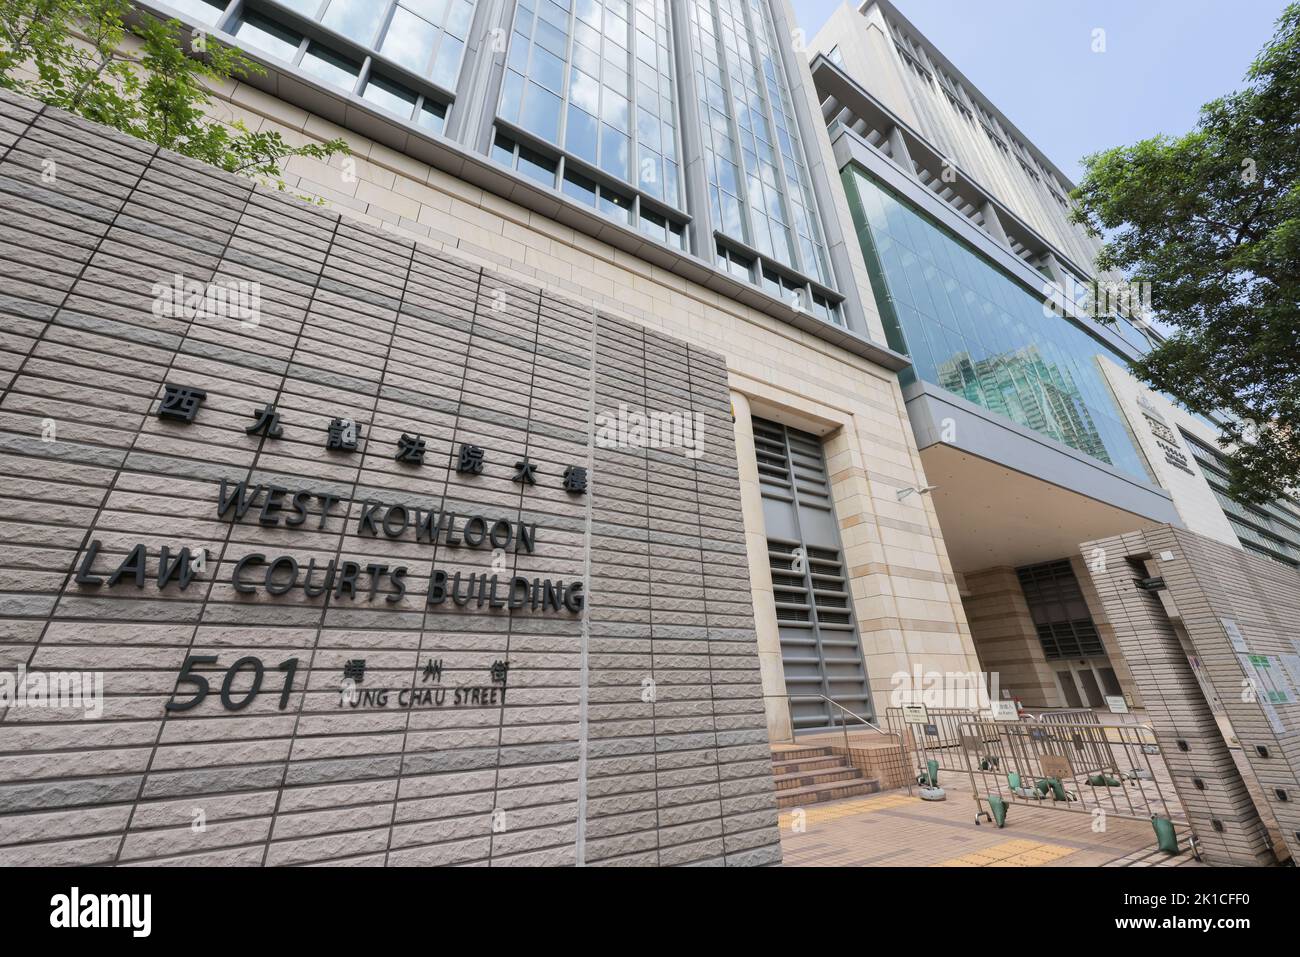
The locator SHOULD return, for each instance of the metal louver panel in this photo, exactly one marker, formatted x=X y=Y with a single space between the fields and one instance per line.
x=773 y=461
x=820 y=650
x=790 y=462
x=809 y=469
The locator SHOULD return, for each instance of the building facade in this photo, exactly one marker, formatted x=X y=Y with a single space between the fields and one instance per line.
x=601 y=236
x=635 y=394
x=1028 y=423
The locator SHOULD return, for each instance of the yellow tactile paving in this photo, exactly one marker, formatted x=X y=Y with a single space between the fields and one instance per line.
x=814 y=813
x=913 y=832
x=1017 y=853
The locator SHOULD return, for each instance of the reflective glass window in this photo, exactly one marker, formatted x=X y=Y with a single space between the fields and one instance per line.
x=426 y=37
x=202 y=11
x=972 y=329
x=390 y=96
x=761 y=190
x=356 y=19
x=324 y=64
x=262 y=34
x=609 y=65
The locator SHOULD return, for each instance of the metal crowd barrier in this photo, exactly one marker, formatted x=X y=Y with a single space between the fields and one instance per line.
x=938 y=740
x=1082 y=768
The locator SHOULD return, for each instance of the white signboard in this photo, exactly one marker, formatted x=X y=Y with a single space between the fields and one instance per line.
x=1117 y=704
x=1234 y=635
x=915 y=714
x=1005 y=711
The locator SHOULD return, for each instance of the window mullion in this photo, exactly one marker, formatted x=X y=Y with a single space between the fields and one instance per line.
x=381 y=31
x=770 y=116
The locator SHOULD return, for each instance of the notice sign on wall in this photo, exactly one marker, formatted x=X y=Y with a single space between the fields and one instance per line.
x=1272 y=680
x=1005 y=711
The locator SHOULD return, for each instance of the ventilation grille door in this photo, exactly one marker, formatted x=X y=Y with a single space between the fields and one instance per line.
x=790 y=466
x=820 y=651
x=809 y=470
x=773 y=461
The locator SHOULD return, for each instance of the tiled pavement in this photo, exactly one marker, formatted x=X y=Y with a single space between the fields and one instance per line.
x=893 y=829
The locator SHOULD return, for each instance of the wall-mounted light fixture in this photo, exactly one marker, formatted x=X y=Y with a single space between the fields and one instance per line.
x=902 y=493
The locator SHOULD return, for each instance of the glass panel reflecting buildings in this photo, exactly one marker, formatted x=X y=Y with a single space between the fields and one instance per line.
x=371 y=48
x=426 y=37
x=585 y=97
x=596 y=77
x=759 y=188
x=973 y=330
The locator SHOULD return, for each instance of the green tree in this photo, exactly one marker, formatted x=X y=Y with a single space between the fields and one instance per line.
x=73 y=54
x=1211 y=220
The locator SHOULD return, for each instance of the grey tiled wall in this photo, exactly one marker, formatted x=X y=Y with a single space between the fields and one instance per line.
x=1207 y=585
x=630 y=733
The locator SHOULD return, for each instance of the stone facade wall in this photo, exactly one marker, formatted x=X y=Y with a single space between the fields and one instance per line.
x=1006 y=639
x=1198 y=507
x=631 y=730
x=1106 y=631
x=1008 y=643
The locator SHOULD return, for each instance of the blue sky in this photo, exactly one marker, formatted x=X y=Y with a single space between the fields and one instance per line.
x=1034 y=59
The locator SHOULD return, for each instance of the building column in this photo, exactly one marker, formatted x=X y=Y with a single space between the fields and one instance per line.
x=771 y=671
x=1005 y=639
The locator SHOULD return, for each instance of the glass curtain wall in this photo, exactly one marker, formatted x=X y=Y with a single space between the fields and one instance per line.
x=973 y=330
x=426 y=37
x=589 y=105
x=759 y=187
x=595 y=78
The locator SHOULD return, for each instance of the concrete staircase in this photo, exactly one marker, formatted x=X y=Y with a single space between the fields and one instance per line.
x=809 y=775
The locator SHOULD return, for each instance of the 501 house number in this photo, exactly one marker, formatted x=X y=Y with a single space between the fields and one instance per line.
x=202 y=688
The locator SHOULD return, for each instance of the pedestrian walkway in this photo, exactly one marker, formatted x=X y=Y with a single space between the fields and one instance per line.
x=898 y=830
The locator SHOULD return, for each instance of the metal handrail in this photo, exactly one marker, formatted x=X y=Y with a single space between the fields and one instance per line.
x=851 y=714
x=844 y=725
